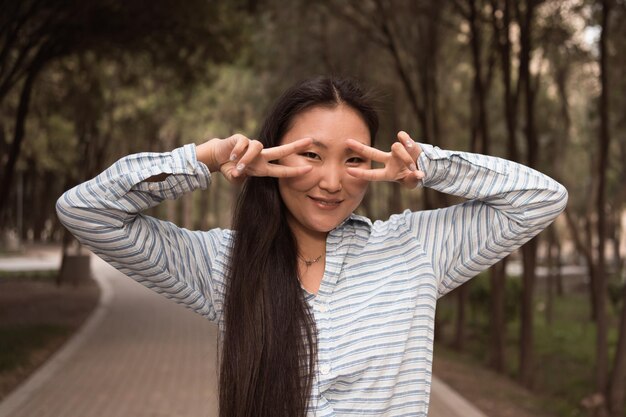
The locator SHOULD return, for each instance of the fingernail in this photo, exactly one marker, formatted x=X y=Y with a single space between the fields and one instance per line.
x=240 y=167
x=412 y=167
x=233 y=157
x=409 y=143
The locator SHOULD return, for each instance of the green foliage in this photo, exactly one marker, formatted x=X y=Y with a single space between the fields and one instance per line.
x=159 y=77
x=480 y=298
x=564 y=350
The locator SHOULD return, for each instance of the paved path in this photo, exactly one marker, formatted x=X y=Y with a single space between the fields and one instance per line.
x=141 y=355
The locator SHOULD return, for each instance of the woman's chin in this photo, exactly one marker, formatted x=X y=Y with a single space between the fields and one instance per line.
x=318 y=224
x=326 y=225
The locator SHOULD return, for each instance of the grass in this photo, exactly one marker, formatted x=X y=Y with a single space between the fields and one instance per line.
x=36 y=319
x=495 y=395
x=18 y=342
x=564 y=350
x=43 y=275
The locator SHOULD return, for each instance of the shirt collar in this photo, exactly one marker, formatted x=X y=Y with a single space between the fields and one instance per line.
x=355 y=218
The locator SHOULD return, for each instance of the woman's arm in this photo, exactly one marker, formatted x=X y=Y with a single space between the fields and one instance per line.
x=105 y=215
x=188 y=266
x=509 y=203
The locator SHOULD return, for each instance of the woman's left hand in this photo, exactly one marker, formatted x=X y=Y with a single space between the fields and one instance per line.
x=400 y=163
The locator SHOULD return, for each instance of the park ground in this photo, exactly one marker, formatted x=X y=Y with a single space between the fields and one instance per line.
x=37 y=317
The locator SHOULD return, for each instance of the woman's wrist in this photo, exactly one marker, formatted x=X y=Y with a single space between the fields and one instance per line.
x=205 y=154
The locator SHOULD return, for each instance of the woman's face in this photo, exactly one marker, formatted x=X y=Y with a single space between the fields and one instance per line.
x=321 y=199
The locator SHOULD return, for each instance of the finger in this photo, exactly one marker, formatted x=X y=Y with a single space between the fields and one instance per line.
x=254 y=149
x=277 y=152
x=399 y=151
x=228 y=170
x=411 y=181
x=378 y=174
x=281 y=171
x=367 y=151
x=240 y=146
x=411 y=146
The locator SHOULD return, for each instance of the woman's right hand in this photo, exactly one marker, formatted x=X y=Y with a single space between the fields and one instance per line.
x=238 y=157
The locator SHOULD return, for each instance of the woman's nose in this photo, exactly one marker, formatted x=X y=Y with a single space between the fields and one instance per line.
x=331 y=179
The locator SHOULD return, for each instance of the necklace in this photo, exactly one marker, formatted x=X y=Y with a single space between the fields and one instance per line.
x=308 y=262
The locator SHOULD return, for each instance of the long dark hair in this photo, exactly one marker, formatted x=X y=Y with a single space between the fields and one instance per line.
x=269 y=347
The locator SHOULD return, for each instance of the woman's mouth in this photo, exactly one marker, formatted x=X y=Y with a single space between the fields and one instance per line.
x=326 y=203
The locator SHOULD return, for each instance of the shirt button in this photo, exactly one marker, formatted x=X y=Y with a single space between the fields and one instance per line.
x=152 y=186
x=323 y=308
x=325 y=369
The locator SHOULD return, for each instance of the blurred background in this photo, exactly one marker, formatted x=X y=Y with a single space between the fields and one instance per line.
x=541 y=82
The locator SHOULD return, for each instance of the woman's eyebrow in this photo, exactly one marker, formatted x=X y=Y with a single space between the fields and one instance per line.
x=347 y=151
x=319 y=144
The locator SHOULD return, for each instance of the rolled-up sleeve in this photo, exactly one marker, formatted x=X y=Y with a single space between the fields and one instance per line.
x=508 y=204
x=105 y=215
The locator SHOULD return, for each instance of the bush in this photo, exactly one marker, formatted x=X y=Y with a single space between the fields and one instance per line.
x=480 y=298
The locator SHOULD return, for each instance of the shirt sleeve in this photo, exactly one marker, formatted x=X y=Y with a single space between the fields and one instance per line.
x=104 y=214
x=508 y=204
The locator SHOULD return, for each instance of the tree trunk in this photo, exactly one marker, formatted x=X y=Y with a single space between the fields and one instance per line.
x=561 y=77
x=501 y=29
x=498 y=320
x=529 y=250
x=48 y=196
x=553 y=266
x=18 y=136
x=479 y=138
x=459 y=336
x=616 y=230
x=618 y=376
x=479 y=89
x=559 y=276
x=601 y=281
x=592 y=268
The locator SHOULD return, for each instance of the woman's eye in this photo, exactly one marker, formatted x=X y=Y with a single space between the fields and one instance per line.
x=356 y=160
x=311 y=155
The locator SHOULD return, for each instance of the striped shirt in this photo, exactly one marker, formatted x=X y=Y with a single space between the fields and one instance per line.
x=375 y=307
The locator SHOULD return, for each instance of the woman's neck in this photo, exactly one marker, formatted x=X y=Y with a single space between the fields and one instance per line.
x=311 y=244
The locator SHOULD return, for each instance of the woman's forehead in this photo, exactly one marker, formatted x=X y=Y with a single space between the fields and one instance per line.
x=338 y=142
x=328 y=127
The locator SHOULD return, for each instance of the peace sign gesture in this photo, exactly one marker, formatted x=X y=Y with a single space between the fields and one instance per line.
x=238 y=157
x=400 y=163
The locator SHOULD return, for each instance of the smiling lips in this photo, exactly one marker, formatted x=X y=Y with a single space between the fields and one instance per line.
x=326 y=203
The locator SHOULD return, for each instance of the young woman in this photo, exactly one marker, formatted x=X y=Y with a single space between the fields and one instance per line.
x=321 y=312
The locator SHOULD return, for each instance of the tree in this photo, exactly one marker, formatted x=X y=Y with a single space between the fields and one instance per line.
x=410 y=33
x=472 y=12
x=525 y=12
x=34 y=33
x=501 y=21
